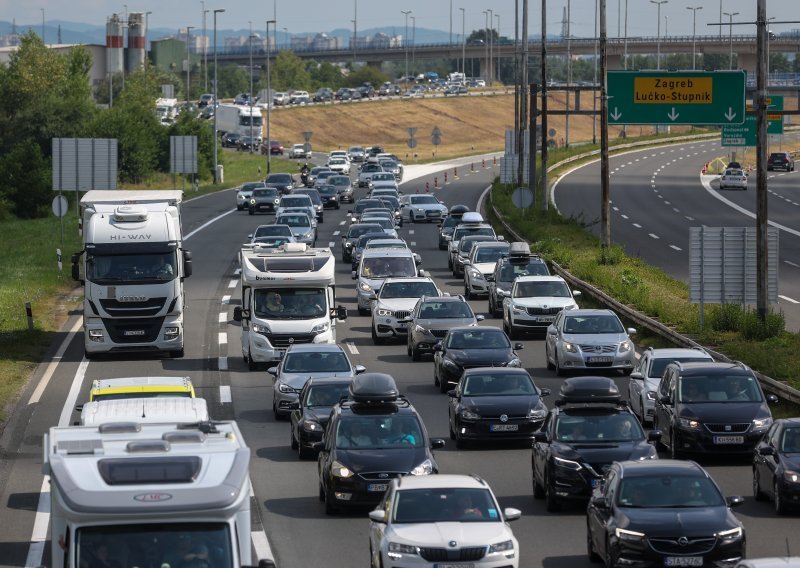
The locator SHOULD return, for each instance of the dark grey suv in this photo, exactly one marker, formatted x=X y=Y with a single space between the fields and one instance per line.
x=430 y=320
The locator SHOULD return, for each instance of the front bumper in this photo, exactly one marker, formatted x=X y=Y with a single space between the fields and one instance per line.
x=386 y=326
x=495 y=429
x=283 y=400
x=451 y=558
x=263 y=351
x=429 y=216
x=478 y=286
x=270 y=207
x=356 y=491
x=524 y=320
x=107 y=335
x=580 y=361
x=654 y=552
x=703 y=441
x=363 y=299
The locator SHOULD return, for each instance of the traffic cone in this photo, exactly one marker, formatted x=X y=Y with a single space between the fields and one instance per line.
x=494 y=161
x=472 y=167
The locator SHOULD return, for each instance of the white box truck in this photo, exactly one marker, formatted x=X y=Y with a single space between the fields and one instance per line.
x=237 y=118
x=288 y=296
x=133 y=269
x=167 y=110
x=148 y=494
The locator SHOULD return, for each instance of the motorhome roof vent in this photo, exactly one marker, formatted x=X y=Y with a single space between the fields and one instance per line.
x=130 y=214
x=294 y=247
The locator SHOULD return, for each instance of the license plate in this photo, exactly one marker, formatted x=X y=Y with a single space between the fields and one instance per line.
x=458 y=565
x=504 y=427
x=129 y=332
x=599 y=359
x=546 y=319
x=683 y=561
x=377 y=487
x=729 y=439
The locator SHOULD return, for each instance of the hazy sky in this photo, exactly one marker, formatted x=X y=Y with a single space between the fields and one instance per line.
x=323 y=15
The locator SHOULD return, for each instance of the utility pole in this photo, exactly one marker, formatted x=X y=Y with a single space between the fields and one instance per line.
x=762 y=220
x=730 y=33
x=451 y=22
x=569 y=71
x=491 y=33
x=497 y=70
x=205 y=48
x=463 y=43
x=355 y=30
x=486 y=44
x=405 y=43
x=658 y=3
x=270 y=99
x=43 y=39
x=594 y=83
x=517 y=86
x=605 y=205
x=188 y=60
x=216 y=98
x=414 y=43
x=694 y=34
x=250 y=71
x=146 y=30
x=545 y=190
x=523 y=96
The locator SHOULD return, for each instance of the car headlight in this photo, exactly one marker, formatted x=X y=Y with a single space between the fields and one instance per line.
x=260 y=328
x=397 y=548
x=632 y=536
x=730 y=534
x=501 y=547
x=307 y=235
x=310 y=426
x=321 y=327
x=518 y=309
x=286 y=389
x=570 y=347
x=567 y=464
x=348 y=245
x=651 y=395
x=419 y=210
x=538 y=413
x=791 y=476
x=762 y=423
x=475 y=273
x=339 y=470
x=364 y=287
x=252 y=202
x=515 y=362
x=689 y=423
x=624 y=347
x=385 y=312
x=469 y=415
x=425 y=468
x=419 y=329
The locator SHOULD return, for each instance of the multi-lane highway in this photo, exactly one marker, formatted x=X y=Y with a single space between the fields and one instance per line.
x=285 y=490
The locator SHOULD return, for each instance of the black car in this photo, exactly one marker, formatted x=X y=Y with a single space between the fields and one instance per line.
x=394 y=204
x=284 y=182
x=342 y=94
x=370 y=439
x=329 y=196
x=310 y=413
x=231 y=139
x=323 y=95
x=495 y=403
x=780 y=161
x=263 y=199
x=247 y=144
x=344 y=185
x=470 y=346
x=589 y=428
x=349 y=239
x=362 y=204
x=776 y=465
x=361 y=243
x=711 y=408
x=662 y=513
x=447 y=226
x=519 y=262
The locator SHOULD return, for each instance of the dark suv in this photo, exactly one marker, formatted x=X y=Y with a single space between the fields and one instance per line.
x=711 y=408
x=780 y=161
x=590 y=427
x=370 y=439
x=519 y=262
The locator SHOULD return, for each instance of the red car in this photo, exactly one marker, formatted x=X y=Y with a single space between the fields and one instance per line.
x=275 y=148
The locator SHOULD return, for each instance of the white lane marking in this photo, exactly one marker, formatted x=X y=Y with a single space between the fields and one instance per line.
x=653 y=236
x=411 y=232
x=331 y=244
x=206 y=224
x=223 y=317
x=225 y=393
x=237 y=272
x=342 y=222
x=788 y=299
x=675 y=248
x=689 y=218
x=261 y=544
x=51 y=367
x=615 y=208
x=222 y=338
x=676 y=210
x=667 y=203
x=637 y=225
x=222 y=364
x=624 y=216
x=413 y=243
x=226 y=299
x=336 y=233
x=790 y=263
x=352 y=348
x=233 y=283
x=630 y=163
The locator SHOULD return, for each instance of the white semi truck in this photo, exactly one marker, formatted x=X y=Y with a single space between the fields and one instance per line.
x=288 y=296
x=139 y=494
x=237 y=118
x=166 y=110
x=133 y=269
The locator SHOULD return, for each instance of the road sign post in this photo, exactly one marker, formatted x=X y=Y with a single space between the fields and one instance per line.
x=676 y=97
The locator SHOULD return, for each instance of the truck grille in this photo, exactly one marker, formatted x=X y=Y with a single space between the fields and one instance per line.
x=286 y=339
x=457 y=554
x=148 y=308
x=672 y=546
x=133 y=330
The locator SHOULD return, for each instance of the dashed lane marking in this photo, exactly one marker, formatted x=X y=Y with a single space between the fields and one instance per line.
x=352 y=348
x=225 y=393
x=788 y=299
x=222 y=338
x=790 y=263
x=226 y=299
x=653 y=236
x=233 y=283
x=637 y=225
x=675 y=248
x=223 y=317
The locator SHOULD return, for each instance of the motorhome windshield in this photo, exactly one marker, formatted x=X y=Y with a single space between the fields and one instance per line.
x=289 y=303
x=137 y=268
x=157 y=544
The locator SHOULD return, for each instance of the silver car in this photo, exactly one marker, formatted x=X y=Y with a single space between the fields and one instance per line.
x=377 y=265
x=420 y=208
x=480 y=268
x=245 y=192
x=305 y=361
x=430 y=320
x=589 y=340
x=304 y=228
x=394 y=302
x=343 y=185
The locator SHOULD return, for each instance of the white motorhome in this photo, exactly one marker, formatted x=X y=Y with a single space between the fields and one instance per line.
x=150 y=410
x=238 y=118
x=456 y=78
x=288 y=296
x=133 y=269
x=167 y=110
x=138 y=489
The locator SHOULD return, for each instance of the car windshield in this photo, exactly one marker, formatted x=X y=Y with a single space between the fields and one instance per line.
x=250 y=186
x=137 y=268
x=407 y=290
x=445 y=310
x=316 y=362
x=327 y=190
x=598 y=428
x=337 y=161
x=498 y=384
x=790 y=442
x=366 y=204
x=272 y=230
x=391 y=164
x=445 y=505
x=490 y=254
x=593 y=324
x=478 y=338
x=358 y=230
x=339 y=181
x=424 y=200
x=383 y=177
x=734 y=173
x=658 y=365
x=378 y=432
x=289 y=303
x=272 y=242
x=671 y=492
x=313 y=195
x=547 y=288
x=462 y=231
x=319 y=169
x=326 y=395
x=377 y=267
x=364 y=239
x=297 y=201
x=279 y=178
x=384 y=223
x=294 y=220
x=465 y=245
x=265 y=193
x=720 y=389
x=510 y=272
x=390 y=201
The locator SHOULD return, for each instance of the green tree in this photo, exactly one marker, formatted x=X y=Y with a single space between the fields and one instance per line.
x=324 y=75
x=25 y=183
x=366 y=74
x=289 y=72
x=232 y=80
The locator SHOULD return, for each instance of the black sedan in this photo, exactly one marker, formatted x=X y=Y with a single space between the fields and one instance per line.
x=329 y=196
x=776 y=465
x=495 y=404
x=662 y=513
x=466 y=347
x=231 y=140
x=310 y=413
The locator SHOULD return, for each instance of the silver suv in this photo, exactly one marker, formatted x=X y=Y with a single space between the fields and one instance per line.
x=377 y=265
x=430 y=320
x=394 y=302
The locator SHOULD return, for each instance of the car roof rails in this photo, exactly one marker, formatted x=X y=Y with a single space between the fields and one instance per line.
x=589 y=390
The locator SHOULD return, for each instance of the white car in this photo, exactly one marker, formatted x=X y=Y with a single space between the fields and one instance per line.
x=384 y=180
x=646 y=376
x=534 y=303
x=299 y=151
x=339 y=154
x=422 y=207
x=733 y=179
x=394 y=302
x=428 y=518
x=339 y=165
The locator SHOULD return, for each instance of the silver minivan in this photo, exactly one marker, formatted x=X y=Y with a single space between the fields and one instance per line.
x=378 y=264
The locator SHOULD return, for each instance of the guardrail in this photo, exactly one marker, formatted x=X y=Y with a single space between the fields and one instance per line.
x=779 y=388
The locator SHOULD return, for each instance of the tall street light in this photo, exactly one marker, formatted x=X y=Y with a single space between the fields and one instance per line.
x=730 y=32
x=43 y=41
x=216 y=98
x=205 y=48
x=414 y=43
x=355 y=30
x=694 y=33
x=146 y=29
x=270 y=99
x=491 y=33
x=405 y=43
x=286 y=37
x=250 y=70
x=486 y=45
x=497 y=71
x=463 y=43
x=658 y=37
x=188 y=60
x=451 y=22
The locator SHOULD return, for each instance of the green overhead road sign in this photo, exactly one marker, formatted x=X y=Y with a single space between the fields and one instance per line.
x=676 y=97
x=745 y=134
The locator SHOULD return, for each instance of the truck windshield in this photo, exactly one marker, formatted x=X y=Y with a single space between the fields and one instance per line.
x=158 y=544
x=149 y=267
x=289 y=303
x=245 y=121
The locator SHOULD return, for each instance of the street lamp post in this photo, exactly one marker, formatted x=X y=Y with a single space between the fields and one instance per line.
x=694 y=33
x=270 y=99
x=414 y=43
x=730 y=33
x=486 y=45
x=625 y=42
x=216 y=104
x=658 y=37
x=205 y=48
x=491 y=33
x=286 y=37
x=463 y=43
x=451 y=22
x=188 y=60
x=355 y=30
x=497 y=70
x=666 y=26
x=43 y=40
x=250 y=71
x=146 y=28
x=405 y=43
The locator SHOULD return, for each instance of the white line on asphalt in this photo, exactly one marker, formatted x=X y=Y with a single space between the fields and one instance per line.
x=233 y=283
x=624 y=216
x=411 y=232
x=413 y=243
x=667 y=203
x=351 y=346
x=222 y=338
x=51 y=367
x=261 y=544
x=336 y=233
x=331 y=244
x=675 y=248
x=790 y=263
x=206 y=224
x=237 y=272
x=223 y=317
x=226 y=299
x=225 y=393
x=222 y=363
x=676 y=210
x=637 y=225
x=689 y=218
x=788 y=299
x=653 y=236
x=342 y=223
x=615 y=208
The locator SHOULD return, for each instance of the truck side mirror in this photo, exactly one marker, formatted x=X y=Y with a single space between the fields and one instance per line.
x=237 y=313
x=341 y=313
x=187 y=264
x=76 y=270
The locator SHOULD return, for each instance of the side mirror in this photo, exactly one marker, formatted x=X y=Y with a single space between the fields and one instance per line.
x=373 y=296
x=437 y=443
x=417 y=259
x=544 y=392
x=734 y=501
x=377 y=516
x=76 y=270
x=273 y=371
x=511 y=514
x=518 y=346
x=599 y=502
x=772 y=399
x=237 y=313
x=438 y=346
x=501 y=238
x=765 y=451
x=480 y=317
x=187 y=264
x=250 y=237
x=341 y=313
x=294 y=405
x=452 y=393
x=353 y=275
x=631 y=331
x=541 y=437
x=576 y=293
x=79 y=408
x=407 y=319
x=654 y=436
x=318 y=446
x=666 y=400
x=360 y=369
x=637 y=375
